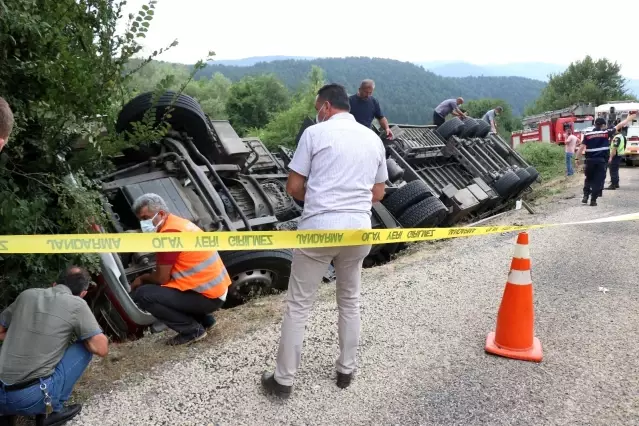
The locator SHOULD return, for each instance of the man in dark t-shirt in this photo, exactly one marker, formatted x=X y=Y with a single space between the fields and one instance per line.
x=364 y=107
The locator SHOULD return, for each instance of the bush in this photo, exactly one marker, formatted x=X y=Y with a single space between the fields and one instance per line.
x=63 y=76
x=547 y=158
x=284 y=126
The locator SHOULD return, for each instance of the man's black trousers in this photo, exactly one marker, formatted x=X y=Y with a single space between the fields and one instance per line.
x=595 y=171
x=614 y=170
x=181 y=311
x=438 y=120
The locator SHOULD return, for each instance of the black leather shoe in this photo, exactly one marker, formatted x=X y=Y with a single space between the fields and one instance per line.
x=593 y=202
x=270 y=386
x=61 y=417
x=344 y=380
x=584 y=200
x=611 y=187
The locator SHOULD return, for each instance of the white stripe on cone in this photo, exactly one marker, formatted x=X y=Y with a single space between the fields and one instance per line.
x=522 y=251
x=520 y=278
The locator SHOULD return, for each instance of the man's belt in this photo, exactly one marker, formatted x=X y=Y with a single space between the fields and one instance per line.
x=23 y=385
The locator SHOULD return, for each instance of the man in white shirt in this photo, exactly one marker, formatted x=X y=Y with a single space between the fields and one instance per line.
x=338 y=170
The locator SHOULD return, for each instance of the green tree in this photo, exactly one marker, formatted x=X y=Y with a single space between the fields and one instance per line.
x=64 y=74
x=253 y=101
x=583 y=81
x=506 y=121
x=285 y=125
x=212 y=94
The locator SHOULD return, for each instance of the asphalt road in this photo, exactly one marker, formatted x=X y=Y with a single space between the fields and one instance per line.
x=425 y=320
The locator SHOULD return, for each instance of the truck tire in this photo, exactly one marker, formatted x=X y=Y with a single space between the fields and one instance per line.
x=427 y=213
x=187 y=116
x=381 y=253
x=406 y=196
x=483 y=128
x=507 y=184
x=256 y=272
x=452 y=127
x=524 y=179
x=470 y=128
x=534 y=174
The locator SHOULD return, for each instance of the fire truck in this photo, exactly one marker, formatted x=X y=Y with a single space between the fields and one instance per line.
x=550 y=126
x=616 y=111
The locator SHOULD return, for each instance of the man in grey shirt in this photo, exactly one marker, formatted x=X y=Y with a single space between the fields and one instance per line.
x=38 y=366
x=490 y=116
x=449 y=106
x=338 y=170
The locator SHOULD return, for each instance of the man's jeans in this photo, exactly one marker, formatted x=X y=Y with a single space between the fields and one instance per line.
x=30 y=401
x=569 y=169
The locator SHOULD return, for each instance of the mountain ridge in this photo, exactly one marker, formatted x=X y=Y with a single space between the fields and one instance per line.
x=408 y=92
x=455 y=69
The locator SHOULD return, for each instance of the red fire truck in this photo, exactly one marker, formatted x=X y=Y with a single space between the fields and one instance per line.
x=549 y=126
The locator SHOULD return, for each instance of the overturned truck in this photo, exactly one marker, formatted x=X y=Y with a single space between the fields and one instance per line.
x=211 y=176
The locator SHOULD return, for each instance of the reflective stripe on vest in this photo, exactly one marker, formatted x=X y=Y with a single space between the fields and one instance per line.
x=603 y=148
x=200 y=271
x=621 y=149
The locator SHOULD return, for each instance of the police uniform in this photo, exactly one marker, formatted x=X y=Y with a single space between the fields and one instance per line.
x=597 y=145
x=619 y=142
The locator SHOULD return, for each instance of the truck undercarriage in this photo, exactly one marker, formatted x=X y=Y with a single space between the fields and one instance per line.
x=209 y=175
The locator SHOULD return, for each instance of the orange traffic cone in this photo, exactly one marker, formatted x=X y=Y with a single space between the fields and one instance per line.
x=514 y=336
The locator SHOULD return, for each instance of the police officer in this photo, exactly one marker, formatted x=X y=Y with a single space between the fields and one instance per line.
x=617 y=149
x=596 y=146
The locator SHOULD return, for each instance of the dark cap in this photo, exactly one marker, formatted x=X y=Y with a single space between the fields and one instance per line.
x=600 y=121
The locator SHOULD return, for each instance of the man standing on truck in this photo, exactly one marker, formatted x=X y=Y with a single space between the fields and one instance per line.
x=449 y=106
x=596 y=146
x=364 y=107
x=571 y=144
x=490 y=118
x=38 y=365
x=6 y=122
x=339 y=170
x=617 y=150
x=186 y=287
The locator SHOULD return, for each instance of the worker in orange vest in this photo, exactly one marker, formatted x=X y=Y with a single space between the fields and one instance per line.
x=186 y=287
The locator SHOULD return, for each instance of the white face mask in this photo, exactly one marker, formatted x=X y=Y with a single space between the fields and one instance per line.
x=147 y=224
x=317 y=119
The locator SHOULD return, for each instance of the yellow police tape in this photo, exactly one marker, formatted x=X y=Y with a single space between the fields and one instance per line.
x=253 y=240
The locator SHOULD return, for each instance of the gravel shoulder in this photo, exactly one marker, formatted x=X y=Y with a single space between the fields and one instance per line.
x=425 y=317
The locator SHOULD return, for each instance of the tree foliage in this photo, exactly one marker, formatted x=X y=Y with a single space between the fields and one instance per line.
x=253 y=101
x=284 y=126
x=587 y=80
x=64 y=76
x=506 y=121
x=211 y=93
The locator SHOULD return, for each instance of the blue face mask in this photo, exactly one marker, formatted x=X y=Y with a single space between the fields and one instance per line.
x=147 y=224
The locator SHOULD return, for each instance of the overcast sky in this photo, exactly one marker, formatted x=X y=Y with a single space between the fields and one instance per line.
x=480 y=32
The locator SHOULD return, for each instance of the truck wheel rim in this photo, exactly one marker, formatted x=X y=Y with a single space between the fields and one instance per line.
x=252 y=279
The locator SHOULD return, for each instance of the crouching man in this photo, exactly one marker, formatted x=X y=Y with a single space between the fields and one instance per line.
x=186 y=287
x=38 y=367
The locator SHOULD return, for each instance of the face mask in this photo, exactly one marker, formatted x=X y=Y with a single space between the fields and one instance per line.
x=147 y=225
x=317 y=119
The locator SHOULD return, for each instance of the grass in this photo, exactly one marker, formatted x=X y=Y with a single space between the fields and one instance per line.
x=550 y=161
x=547 y=158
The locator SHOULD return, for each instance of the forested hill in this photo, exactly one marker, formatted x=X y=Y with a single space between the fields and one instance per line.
x=406 y=91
